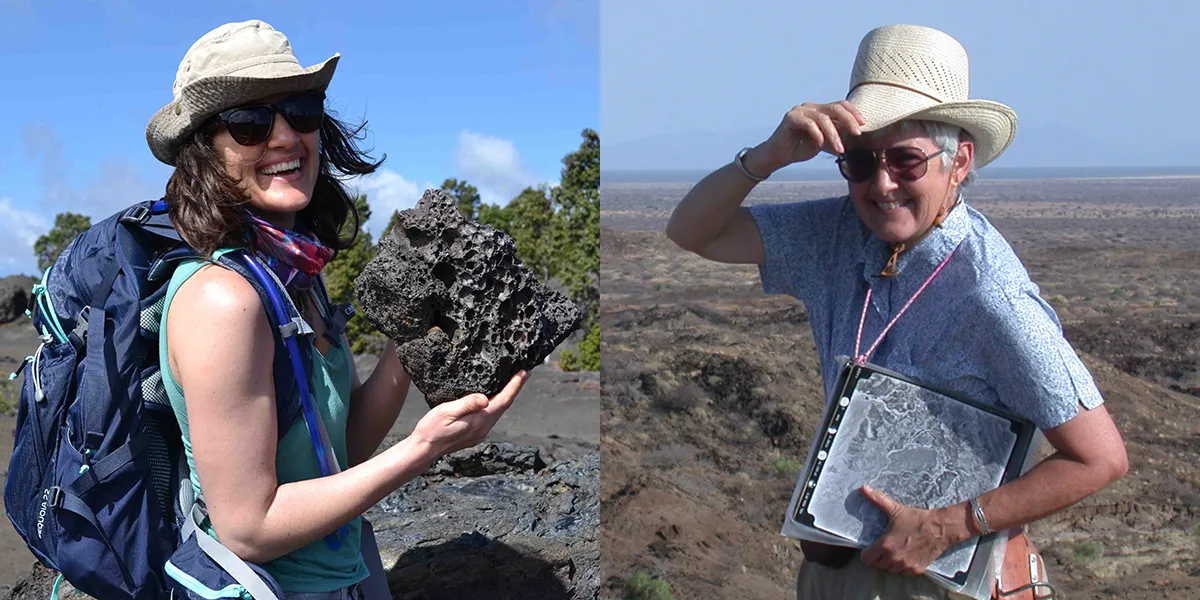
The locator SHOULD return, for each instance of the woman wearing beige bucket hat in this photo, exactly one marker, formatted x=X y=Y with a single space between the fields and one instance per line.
x=258 y=164
x=904 y=242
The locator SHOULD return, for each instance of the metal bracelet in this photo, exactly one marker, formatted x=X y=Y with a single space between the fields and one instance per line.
x=739 y=159
x=980 y=520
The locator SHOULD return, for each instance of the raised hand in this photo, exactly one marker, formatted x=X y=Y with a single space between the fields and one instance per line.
x=806 y=130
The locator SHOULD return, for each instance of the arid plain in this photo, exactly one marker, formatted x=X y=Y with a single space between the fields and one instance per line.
x=711 y=390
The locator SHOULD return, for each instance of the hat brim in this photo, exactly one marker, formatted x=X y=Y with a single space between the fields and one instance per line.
x=204 y=98
x=992 y=125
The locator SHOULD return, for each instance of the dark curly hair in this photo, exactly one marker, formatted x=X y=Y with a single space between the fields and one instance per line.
x=206 y=204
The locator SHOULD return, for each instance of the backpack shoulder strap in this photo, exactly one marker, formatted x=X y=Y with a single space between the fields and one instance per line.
x=287 y=391
x=234 y=565
x=281 y=309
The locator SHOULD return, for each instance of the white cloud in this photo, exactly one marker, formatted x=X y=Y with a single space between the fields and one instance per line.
x=118 y=185
x=387 y=192
x=20 y=229
x=492 y=165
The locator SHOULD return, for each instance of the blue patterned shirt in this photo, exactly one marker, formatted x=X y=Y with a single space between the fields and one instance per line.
x=980 y=329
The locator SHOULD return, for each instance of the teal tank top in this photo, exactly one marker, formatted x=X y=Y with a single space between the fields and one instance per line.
x=313 y=568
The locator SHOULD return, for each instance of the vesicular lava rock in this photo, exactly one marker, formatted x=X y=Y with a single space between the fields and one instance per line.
x=465 y=313
x=14 y=297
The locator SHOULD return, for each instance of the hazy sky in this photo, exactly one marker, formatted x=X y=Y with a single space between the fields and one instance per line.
x=494 y=92
x=1109 y=73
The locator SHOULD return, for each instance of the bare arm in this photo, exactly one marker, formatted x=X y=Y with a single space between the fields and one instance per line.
x=711 y=221
x=375 y=405
x=220 y=345
x=1089 y=455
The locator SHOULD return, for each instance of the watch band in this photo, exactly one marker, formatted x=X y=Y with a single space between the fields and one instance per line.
x=739 y=160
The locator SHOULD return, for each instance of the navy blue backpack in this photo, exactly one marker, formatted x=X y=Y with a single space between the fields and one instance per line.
x=97 y=484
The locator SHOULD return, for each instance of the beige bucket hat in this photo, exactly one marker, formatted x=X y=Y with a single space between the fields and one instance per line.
x=233 y=64
x=913 y=72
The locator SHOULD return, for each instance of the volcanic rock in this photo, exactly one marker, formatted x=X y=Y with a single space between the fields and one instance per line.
x=528 y=532
x=14 y=297
x=515 y=530
x=465 y=313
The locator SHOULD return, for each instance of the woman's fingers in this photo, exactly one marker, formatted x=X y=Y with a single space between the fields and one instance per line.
x=833 y=140
x=504 y=399
x=809 y=128
x=847 y=116
x=806 y=130
x=854 y=109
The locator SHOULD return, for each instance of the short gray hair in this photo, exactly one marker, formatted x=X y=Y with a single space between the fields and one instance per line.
x=945 y=135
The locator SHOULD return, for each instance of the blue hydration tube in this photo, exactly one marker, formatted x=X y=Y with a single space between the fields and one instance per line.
x=316 y=429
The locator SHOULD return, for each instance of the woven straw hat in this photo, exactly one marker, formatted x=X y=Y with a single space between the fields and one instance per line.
x=912 y=72
x=231 y=65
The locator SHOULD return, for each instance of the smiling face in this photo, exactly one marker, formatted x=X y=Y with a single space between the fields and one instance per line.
x=899 y=211
x=278 y=176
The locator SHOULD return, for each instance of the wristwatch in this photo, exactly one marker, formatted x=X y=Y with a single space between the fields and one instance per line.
x=739 y=160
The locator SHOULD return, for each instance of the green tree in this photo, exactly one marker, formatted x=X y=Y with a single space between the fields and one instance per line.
x=469 y=201
x=67 y=226
x=496 y=216
x=529 y=219
x=585 y=356
x=576 y=239
x=391 y=223
x=344 y=268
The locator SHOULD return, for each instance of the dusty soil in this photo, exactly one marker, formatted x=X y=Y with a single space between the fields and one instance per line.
x=556 y=411
x=711 y=390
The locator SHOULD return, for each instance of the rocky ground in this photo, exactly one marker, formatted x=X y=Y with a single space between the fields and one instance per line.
x=493 y=522
x=516 y=517
x=711 y=392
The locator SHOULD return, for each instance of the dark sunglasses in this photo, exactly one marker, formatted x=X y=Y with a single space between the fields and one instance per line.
x=251 y=125
x=903 y=162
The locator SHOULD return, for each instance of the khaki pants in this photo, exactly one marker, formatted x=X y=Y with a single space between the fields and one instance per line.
x=857 y=581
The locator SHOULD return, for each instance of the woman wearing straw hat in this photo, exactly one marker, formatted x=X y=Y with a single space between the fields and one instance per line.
x=258 y=161
x=908 y=140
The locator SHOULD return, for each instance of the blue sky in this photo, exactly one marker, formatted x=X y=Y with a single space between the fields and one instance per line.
x=493 y=92
x=685 y=84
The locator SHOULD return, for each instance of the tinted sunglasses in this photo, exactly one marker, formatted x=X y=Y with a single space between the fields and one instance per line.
x=251 y=125
x=903 y=162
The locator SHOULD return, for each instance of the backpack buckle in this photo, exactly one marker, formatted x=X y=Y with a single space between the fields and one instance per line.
x=54 y=497
x=78 y=336
x=289 y=329
x=136 y=215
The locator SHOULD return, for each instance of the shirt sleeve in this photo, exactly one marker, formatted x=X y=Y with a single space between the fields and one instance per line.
x=799 y=240
x=1035 y=371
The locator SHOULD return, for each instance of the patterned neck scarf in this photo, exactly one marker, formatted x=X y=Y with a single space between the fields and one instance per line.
x=295 y=258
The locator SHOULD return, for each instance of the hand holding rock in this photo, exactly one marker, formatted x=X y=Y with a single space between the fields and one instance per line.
x=466 y=422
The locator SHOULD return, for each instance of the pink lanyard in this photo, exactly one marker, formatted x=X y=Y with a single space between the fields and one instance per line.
x=862 y=358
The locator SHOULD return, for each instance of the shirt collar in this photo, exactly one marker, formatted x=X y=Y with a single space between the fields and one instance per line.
x=919 y=261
